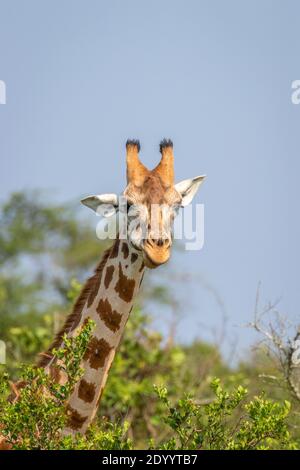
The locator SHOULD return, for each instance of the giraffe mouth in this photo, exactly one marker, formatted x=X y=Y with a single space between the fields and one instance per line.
x=155 y=258
x=149 y=263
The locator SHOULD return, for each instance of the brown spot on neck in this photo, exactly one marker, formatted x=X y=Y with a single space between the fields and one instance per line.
x=134 y=257
x=86 y=391
x=125 y=250
x=75 y=420
x=97 y=352
x=111 y=318
x=108 y=276
x=115 y=249
x=125 y=286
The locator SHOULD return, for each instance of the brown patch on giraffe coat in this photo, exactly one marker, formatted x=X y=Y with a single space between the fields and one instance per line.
x=75 y=420
x=97 y=352
x=86 y=391
x=124 y=286
x=88 y=295
x=111 y=318
x=115 y=249
x=125 y=250
x=108 y=276
x=134 y=257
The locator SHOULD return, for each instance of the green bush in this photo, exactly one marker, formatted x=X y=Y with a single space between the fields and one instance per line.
x=228 y=422
x=36 y=419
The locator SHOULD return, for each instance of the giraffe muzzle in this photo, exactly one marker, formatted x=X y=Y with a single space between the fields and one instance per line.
x=156 y=254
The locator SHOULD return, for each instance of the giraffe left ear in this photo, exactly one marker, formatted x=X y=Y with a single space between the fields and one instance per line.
x=188 y=188
x=103 y=204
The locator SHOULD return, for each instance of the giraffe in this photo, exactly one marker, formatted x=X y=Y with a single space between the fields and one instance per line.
x=107 y=297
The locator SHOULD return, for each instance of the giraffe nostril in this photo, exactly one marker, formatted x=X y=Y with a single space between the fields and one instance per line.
x=160 y=242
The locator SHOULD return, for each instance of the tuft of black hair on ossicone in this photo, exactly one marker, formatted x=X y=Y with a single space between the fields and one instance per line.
x=164 y=144
x=133 y=142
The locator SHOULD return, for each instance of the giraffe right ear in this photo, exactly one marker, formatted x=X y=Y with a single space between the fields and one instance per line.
x=103 y=204
x=188 y=188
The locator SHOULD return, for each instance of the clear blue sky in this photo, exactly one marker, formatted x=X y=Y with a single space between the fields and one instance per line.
x=215 y=76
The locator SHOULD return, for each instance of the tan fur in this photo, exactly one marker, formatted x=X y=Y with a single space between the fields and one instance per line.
x=136 y=171
x=165 y=168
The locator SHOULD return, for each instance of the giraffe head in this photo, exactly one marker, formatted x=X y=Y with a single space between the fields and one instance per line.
x=152 y=200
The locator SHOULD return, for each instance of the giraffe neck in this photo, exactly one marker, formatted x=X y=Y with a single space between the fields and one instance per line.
x=107 y=299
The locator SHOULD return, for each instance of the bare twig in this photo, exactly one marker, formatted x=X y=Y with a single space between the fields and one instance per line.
x=279 y=345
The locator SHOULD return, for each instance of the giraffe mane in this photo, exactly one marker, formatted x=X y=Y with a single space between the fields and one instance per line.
x=72 y=319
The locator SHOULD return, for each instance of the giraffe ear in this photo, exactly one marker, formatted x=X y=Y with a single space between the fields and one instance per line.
x=188 y=188
x=102 y=204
